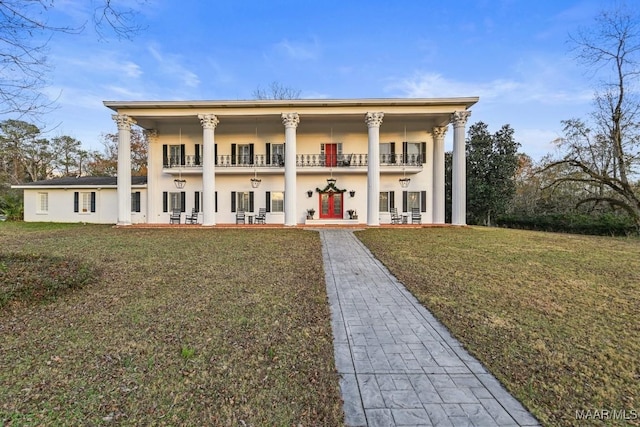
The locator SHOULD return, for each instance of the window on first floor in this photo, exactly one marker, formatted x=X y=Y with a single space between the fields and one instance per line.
x=414 y=199
x=198 y=200
x=84 y=201
x=173 y=200
x=42 y=203
x=275 y=201
x=242 y=201
x=386 y=201
x=135 y=201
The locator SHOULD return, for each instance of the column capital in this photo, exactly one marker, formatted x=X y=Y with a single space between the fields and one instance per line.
x=208 y=121
x=439 y=131
x=459 y=118
x=123 y=121
x=290 y=120
x=373 y=119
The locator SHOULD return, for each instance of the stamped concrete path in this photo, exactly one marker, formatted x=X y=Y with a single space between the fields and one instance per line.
x=399 y=366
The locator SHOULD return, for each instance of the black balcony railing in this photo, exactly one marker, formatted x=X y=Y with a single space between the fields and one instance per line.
x=302 y=160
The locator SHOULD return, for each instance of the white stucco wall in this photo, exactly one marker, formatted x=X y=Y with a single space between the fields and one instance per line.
x=61 y=206
x=228 y=179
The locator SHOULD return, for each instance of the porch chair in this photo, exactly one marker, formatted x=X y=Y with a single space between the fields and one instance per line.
x=261 y=218
x=175 y=216
x=346 y=160
x=416 y=216
x=193 y=218
x=395 y=218
x=240 y=217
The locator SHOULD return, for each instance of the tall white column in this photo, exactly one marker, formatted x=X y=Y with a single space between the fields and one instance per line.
x=124 y=123
x=438 y=174
x=154 y=170
x=373 y=120
x=209 y=123
x=459 y=166
x=290 y=121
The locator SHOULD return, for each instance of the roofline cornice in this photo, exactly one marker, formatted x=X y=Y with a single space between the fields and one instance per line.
x=288 y=103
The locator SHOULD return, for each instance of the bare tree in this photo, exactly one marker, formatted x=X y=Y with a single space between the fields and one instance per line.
x=276 y=91
x=24 y=38
x=604 y=155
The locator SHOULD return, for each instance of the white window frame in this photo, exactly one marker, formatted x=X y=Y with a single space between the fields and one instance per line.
x=277 y=153
x=277 y=201
x=175 y=152
x=413 y=200
x=42 y=203
x=175 y=200
x=244 y=154
x=242 y=201
x=382 y=208
x=85 y=202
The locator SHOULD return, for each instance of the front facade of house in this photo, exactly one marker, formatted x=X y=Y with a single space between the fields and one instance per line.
x=351 y=161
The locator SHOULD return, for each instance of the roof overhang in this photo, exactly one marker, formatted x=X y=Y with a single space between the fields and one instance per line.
x=147 y=113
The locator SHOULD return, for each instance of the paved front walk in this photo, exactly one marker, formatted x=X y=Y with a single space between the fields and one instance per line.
x=399 y=366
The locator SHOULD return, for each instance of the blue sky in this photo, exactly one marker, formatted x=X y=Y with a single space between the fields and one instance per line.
x=513 y=54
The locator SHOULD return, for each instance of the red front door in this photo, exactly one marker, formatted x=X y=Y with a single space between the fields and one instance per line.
x=331 y=205
x=331 y=155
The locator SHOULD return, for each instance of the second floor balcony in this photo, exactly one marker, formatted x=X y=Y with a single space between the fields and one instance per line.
x=352 y=160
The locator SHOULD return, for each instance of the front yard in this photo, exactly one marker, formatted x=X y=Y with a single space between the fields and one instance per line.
x=181 y=327
x=555 y=317
x=232 y=327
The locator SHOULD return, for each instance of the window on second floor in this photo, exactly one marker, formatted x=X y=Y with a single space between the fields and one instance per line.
x=388 y=152
x=414 y=152
x=275 y=154
x=173 y=155
x=241 y=154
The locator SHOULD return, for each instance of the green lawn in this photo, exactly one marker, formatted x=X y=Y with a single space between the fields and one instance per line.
x=555 y=317
x=225 y=327
x=165 y=327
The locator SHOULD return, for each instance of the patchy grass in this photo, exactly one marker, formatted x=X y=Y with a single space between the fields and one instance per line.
x=182 y=327
x=554 y=317
x=33 y=278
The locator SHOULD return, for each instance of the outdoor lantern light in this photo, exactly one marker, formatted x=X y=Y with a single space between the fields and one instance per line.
x=255 y=182
x=352 y=193
x=179 y=182
x=309 y=193
x=404 y=181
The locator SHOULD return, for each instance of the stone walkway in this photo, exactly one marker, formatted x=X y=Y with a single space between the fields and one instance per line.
x=398 y=365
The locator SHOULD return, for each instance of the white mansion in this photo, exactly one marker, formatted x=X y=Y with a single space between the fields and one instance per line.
x=349 y=160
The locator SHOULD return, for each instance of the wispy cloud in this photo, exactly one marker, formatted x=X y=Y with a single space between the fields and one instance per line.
x=434 y=85
x=299 y=50
x=172 y=65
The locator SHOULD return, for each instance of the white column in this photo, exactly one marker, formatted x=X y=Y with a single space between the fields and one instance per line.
x=124 y=123
x=290 y=121
x=209 y=123
x=459 y=166
x=154 y=170
x=373 y=120
x=438 y=174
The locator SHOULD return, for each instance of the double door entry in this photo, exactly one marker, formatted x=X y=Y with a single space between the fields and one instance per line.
x=331 y=205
